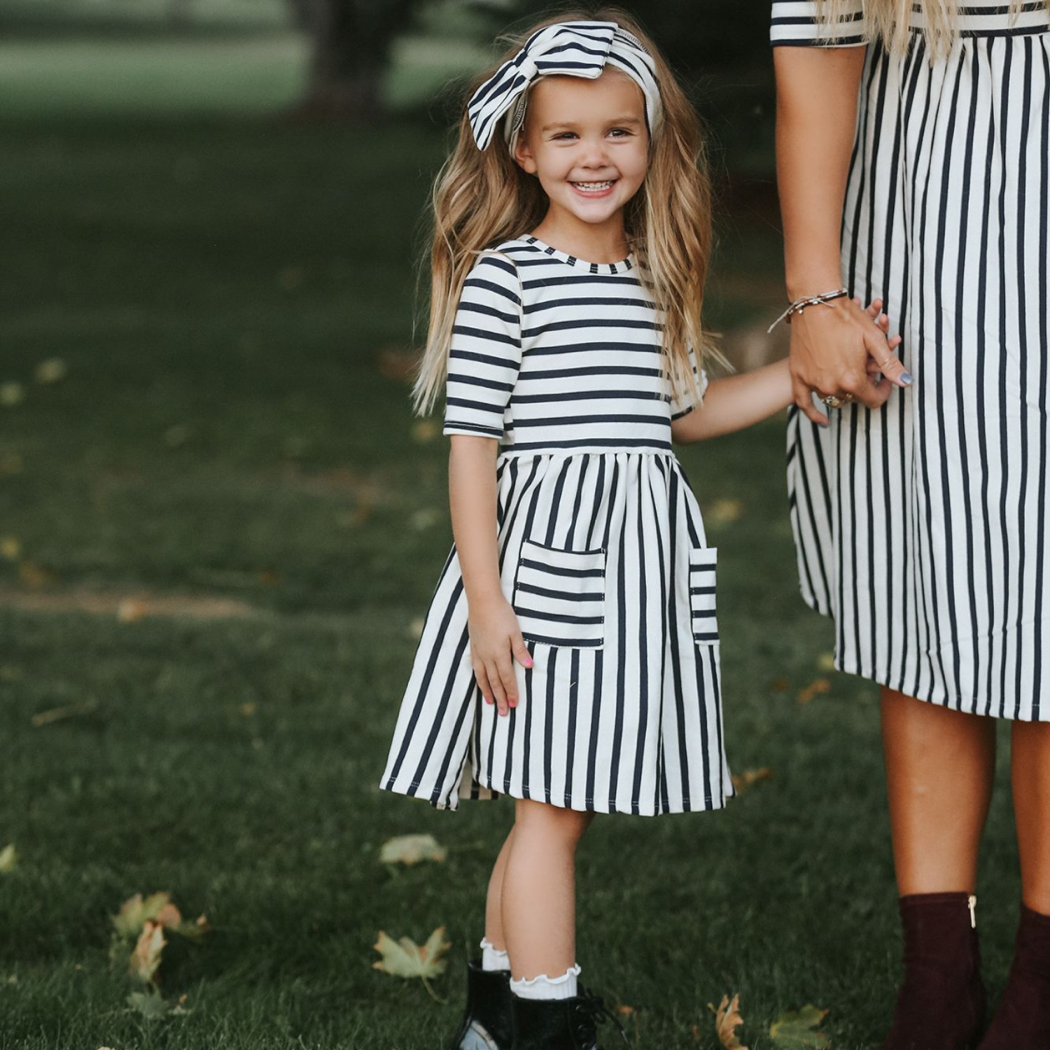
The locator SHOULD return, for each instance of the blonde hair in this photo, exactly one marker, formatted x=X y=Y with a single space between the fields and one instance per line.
x=888 y=20
x=482 y=197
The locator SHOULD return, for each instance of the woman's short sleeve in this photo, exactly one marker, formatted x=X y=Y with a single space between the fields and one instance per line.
x=485 y=352
x=684 y=403
x=796 y=24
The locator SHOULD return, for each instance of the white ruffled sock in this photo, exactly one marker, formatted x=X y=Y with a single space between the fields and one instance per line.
x=492 y=958
x=544 y=987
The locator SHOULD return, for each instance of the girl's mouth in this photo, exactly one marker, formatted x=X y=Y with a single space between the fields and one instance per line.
x=594 y=189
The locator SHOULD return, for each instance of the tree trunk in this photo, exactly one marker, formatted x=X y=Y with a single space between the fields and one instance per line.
x=350 y=51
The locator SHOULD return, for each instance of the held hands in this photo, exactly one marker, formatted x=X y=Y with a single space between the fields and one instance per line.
x=495 y=642
x=837 y=350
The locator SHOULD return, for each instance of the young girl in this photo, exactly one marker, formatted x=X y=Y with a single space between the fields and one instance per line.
x=570 y=655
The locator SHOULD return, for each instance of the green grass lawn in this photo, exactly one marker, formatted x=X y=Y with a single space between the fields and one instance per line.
x=226 y=295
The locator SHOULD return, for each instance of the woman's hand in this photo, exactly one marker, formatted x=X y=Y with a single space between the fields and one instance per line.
x=836 y=349
x=495 y=642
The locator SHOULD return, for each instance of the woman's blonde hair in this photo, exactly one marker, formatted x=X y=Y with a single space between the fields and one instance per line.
x=482 y=197
x=888 y=20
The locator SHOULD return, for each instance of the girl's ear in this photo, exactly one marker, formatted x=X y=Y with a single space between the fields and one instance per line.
x=523 y=154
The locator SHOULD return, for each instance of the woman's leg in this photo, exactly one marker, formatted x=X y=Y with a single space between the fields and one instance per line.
x=1023 y=1016
x=939 y=770
x=1030 y=773
x=539 y=890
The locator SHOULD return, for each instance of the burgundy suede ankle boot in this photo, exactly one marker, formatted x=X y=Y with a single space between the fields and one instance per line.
x=941 y=1002
x=1022 y=1021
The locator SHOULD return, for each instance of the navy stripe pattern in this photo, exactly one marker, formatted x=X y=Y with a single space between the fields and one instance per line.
x=621 y=710
x=795 y=22
x=553 y=353
x=922 y=527
x=578 y=49
x=602 y=555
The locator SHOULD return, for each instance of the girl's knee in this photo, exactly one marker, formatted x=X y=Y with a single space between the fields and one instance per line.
x=551 y=820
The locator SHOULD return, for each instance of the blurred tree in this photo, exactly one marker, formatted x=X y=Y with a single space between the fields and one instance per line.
x=351 y=42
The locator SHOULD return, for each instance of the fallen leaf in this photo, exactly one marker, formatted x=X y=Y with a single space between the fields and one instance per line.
x=248 y=708
x=727 y=1018
x=796 y=1029
x=626 y=1011
x=815 y=688
x=53 y=370
x=411 y=849
x=145 y=956
x=60 y=714
x=135 y=911
x=10 y=463
x=724 y=511
x=826 y=662
x=405 y=958
x=8 y=858
x=33 y=575
x=425 y=430
x=150 y=1005
x=395 y=362
x=131 y=610
x=742 y=781
x=11 y=547
x=12 y=393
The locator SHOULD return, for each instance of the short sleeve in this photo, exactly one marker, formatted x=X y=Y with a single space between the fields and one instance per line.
x=684 y=403
x=796 y=24
x=485 y=352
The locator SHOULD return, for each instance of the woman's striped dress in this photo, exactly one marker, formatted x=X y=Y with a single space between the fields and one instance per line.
x=922 y=527
x=601 y=553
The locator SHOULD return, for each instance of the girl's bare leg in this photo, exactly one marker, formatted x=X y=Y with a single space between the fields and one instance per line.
x=939 y=770
x=1030 y=773
x=494 y=901
x=538 y=893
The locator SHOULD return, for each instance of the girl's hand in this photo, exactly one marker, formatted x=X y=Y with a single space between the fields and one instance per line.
x=495 y=642
x=831 y=352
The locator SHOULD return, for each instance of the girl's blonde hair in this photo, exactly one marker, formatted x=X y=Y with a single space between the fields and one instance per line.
x=888 y=20
x=482 y=197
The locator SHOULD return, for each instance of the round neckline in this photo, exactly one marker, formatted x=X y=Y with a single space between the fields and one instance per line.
x=626 y=263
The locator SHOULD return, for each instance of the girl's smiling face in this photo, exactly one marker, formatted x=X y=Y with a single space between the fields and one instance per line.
x=587 y=143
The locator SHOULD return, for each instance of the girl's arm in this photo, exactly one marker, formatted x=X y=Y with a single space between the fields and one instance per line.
x=493 y=628
x=734 y=402
x=817 y=90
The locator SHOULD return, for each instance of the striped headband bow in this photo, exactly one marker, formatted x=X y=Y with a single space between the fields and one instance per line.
x=579 y=49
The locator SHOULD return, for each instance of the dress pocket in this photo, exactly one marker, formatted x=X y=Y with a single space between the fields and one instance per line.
x=559 y=596
x=703 y=562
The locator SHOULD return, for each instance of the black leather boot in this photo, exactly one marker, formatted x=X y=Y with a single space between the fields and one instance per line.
x=941 y=1004
x=1022 y=1021
x=562 y=1024
x=486 y=1021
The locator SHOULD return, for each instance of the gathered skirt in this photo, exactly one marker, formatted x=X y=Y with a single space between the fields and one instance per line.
x=604 y=560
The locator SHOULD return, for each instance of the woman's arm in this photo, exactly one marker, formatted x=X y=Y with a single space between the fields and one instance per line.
x=817 y=89
x=495 y=636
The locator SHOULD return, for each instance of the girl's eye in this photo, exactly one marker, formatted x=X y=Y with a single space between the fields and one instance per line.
x=565 y=135
x=619 y=132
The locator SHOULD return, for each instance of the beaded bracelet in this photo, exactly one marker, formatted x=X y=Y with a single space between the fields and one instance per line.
x=807 y=300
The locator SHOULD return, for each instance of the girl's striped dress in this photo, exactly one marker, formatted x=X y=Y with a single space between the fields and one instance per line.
x=922 y=527
x=602 y=555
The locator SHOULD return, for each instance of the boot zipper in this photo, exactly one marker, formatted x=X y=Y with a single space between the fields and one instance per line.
x=971 y=903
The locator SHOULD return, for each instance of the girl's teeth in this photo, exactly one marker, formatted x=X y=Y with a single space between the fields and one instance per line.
x=594 y=185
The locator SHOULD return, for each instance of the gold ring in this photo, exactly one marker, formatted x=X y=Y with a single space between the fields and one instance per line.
x=835 y=401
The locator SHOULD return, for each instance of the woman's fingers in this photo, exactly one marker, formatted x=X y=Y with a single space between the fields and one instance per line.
x=804 y=400
x=890 y=365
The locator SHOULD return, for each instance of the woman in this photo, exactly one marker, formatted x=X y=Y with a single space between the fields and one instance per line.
x=920 y=507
